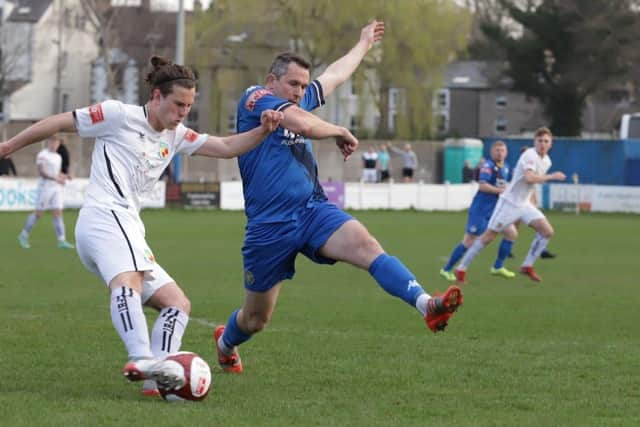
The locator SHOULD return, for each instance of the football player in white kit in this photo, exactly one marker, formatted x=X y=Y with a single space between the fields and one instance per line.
x=133 y=146
x=50 y=194
x=515 y=204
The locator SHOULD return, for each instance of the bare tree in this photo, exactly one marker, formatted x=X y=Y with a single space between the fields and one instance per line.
x=102 y=18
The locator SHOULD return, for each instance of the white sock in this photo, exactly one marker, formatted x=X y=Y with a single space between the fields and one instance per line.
x=128 y=319
x=29 y=223
x=224 y=347
x=471 y=253
x=167 y=332
x=58 y=227
x=536 y=248
x=421 y=303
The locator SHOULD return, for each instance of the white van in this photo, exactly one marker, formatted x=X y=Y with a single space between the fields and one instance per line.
x=630 y=126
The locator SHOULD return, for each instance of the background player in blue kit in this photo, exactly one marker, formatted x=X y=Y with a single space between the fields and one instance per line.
x=493 y=178
x=287 y=210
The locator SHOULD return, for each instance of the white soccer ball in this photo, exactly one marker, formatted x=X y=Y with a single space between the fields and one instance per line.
x=197 y=374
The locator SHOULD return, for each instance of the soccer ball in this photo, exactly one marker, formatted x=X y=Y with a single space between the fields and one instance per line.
x=197 y=374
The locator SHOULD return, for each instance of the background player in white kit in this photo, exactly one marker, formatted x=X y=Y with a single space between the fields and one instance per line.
x=50 y=194
x=133 y=145
x=515 y=204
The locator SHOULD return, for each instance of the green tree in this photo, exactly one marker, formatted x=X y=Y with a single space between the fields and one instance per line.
x=566 y=51
x=421 y=37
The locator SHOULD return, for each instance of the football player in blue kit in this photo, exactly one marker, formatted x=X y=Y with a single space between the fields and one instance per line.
x=494 y=175
x=287 y=209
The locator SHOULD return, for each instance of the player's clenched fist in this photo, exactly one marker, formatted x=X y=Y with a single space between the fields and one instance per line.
x=270 y=119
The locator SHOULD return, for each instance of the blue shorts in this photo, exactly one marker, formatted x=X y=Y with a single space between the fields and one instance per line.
x=270 y=249
x=477 y=223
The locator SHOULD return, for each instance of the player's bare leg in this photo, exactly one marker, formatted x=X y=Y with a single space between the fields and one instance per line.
x=352 y=243
x=253 y=317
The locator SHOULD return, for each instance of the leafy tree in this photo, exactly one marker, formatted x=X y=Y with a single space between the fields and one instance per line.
x=421 y=37
x=565 y=51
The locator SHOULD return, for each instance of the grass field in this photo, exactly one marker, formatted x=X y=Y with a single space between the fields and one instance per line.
x=339 y=351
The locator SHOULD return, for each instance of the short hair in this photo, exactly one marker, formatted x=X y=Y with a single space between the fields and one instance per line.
x=280 y=64
x=543 y=131
x=164 y=74
x=498 y=143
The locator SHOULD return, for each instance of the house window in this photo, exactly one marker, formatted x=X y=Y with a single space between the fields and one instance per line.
x=442 y=122
x=441 y=101
x=501 y=125
x=353 y=124
x=501 y=101
x=396 y=105
x=231 y=122
x=65 y=102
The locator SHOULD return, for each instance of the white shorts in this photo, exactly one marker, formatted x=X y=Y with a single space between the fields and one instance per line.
x=506 y=213
x=49 y=196
x=112 y=242
x=370 y=175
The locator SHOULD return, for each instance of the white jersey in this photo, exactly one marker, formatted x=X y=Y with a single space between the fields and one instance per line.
x=519 y=191
x=51 y=164
x=129 y=155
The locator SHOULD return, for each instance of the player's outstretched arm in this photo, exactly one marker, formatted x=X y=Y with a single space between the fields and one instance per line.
x=43 y=129
x=485 y=187
x=311 y=126
x=340 y=70
x=531 y=177
x=235 y=145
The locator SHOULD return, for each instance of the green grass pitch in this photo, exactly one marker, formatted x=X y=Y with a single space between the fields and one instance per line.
x=339 y=351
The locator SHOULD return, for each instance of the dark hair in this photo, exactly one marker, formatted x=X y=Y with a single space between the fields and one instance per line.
x=164 y=74
x=281 y=63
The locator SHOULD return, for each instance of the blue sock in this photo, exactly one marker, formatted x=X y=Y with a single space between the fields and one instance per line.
x=395 y=278
x=232 y=335
x=503 y=252
x=457 y=253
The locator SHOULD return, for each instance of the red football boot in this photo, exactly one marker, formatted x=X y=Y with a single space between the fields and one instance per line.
x=441 y=307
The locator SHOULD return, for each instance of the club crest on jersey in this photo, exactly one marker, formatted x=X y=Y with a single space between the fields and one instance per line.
x=164 y=150
x=96 y=114
x=191 y=135
x=250 y=103
x=292 y=138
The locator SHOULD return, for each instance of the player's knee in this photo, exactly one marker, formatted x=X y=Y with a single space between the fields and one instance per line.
x=548 y=233
x=184 y=304
x=256 y=323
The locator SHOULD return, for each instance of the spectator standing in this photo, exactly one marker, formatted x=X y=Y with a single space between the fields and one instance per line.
x=370 y=165
x=64 y=153
x=7 y=167
x=467 y=172
x=409 y=161
x=383 y=163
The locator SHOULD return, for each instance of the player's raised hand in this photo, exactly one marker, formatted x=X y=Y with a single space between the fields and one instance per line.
x=372 y=33
x=270 y=120
x=347 y=143
x=558 y=176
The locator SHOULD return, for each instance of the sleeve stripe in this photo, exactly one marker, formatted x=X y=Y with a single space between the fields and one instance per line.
x=283 y=106
x=318 y=87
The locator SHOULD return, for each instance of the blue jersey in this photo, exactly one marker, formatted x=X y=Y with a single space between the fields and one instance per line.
x=484 y=203
x=280 y=175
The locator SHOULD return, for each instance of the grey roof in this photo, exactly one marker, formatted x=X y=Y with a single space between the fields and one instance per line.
x=475 y=75
x=29 y=10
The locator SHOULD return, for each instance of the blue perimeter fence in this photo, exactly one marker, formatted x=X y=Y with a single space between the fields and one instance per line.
x=602 y=162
